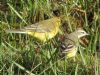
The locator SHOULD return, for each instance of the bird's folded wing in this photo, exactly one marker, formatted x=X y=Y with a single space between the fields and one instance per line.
x=69 y=48
x=40 y=27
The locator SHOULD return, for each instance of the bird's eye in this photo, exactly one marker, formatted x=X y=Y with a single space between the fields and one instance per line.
x=82 y=32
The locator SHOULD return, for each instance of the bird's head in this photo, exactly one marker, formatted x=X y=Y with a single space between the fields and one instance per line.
x=80 y=32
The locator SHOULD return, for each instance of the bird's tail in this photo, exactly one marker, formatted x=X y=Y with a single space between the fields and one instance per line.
x=16 y=31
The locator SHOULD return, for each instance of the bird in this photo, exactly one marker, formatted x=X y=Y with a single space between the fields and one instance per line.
x=70 y=45
x=43 y=30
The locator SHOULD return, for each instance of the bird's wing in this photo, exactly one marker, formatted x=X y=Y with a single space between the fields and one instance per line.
x=70 y=42
x=69 y=48
x=43 y=26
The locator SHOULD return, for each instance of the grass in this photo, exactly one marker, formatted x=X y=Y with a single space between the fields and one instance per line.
x=24 y=55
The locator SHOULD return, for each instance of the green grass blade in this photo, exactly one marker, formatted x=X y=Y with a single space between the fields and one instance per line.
x=17 y=13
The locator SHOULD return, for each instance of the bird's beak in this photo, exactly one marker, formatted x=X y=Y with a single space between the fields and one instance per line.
x=87 y=34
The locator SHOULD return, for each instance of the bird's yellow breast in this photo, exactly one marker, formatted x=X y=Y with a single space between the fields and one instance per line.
x=72 y=52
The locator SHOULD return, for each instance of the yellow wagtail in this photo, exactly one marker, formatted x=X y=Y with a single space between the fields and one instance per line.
x=43 y=30
x=71 y=43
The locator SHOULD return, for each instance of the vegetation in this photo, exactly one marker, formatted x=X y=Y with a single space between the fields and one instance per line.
x=24 y=55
